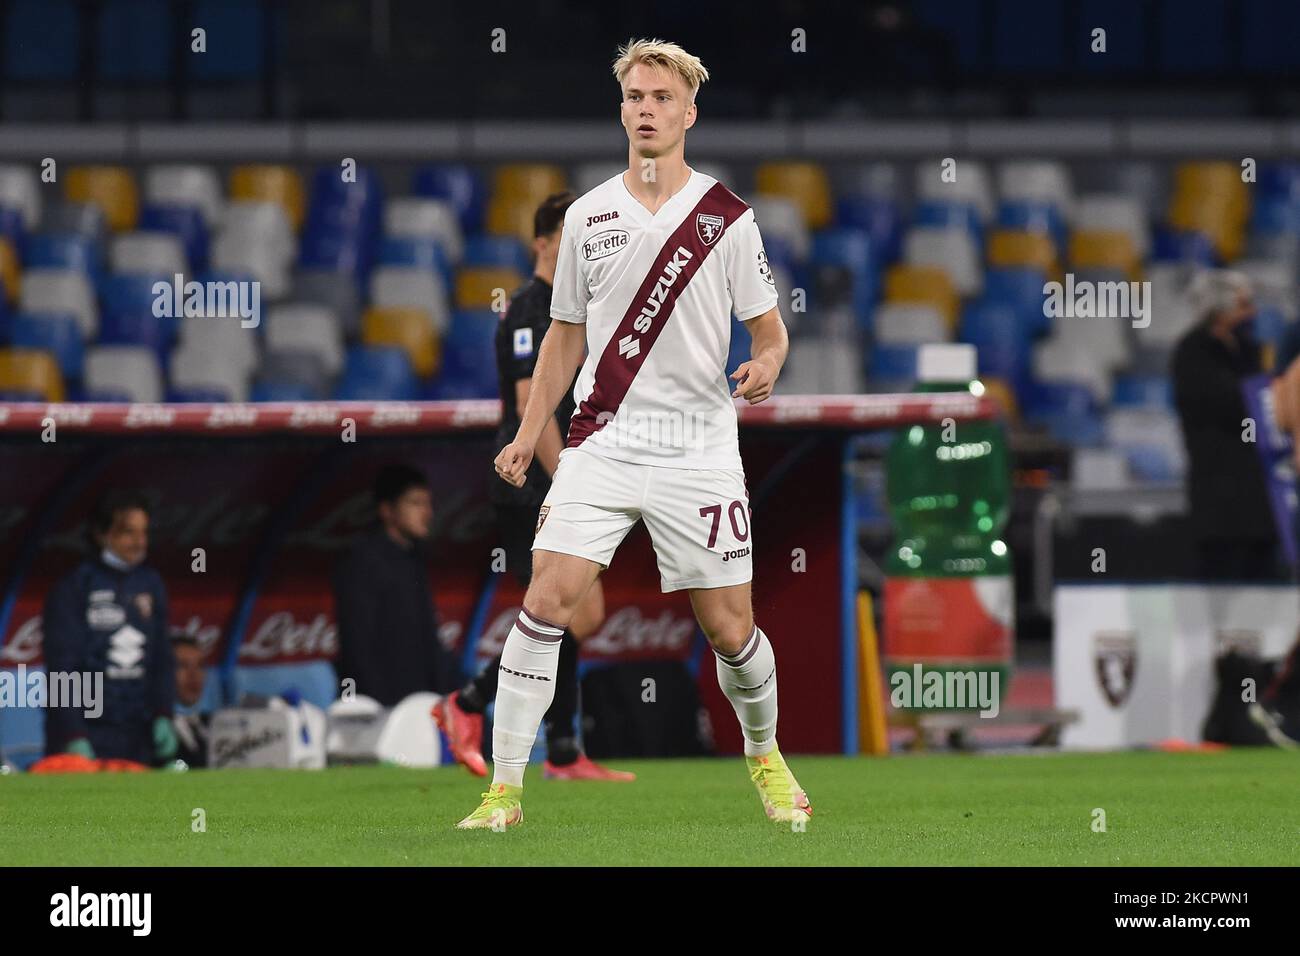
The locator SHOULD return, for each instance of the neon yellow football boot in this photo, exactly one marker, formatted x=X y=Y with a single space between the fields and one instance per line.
x=783 y=799
x=502 y=807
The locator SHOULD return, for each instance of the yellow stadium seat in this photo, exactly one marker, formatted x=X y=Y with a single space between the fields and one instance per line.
x=111 y=188
x=1015 y=249
x=410 y=330
x=1103 y=249
x=528 y=183
x=1213 y=215
x=477 y=288
x=923 y=285
x=1221 y=180
x=269 y=183
x=10 y=272
x=804 y=184
x=31 y=371
x=512 y=217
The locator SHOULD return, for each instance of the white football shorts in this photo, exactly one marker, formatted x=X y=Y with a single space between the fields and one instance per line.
x=698 y=519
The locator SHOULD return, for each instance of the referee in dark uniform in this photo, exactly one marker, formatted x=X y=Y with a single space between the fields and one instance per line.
x=518 y=339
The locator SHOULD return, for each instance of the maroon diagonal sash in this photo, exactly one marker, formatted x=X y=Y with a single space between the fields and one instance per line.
x=680 y=258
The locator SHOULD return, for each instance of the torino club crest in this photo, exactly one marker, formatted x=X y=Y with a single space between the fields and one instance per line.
x=709 y=227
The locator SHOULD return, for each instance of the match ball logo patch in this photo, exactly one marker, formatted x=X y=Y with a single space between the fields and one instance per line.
x=541 y=518
x=709 y=227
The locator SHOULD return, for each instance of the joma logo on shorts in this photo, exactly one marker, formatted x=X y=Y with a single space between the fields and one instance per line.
x=602 y=217
x=743 y=552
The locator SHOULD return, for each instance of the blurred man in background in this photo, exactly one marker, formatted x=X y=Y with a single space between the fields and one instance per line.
x=191 y=724
x=388 y=626
x=1228 y=499
x=109 y=616
x=518 y=337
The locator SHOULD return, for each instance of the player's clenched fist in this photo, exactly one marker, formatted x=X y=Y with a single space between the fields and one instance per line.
x=755 y=380
x=512 y=464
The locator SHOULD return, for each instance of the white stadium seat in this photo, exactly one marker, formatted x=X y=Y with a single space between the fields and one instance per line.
x=898 y=323
x=419 y=217
x=409 y=286
x=186 y=185
x=782 y=218
x=62 y=290
x=950 y=248
x=1038 y=181
x=306 y=327
x=971 y=184
x=151 y=252
x=21 y=189
x=194 y=365
x=129 y=370
x=224 y=340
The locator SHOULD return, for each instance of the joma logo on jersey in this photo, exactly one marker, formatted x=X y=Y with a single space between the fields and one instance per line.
x=602 y=217
x=657 y=295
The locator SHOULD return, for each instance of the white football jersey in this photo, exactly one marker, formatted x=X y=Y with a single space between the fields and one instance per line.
x=657 y=292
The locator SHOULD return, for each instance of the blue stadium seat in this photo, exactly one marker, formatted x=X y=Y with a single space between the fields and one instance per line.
x=1002 y=339
x=377 y=373
x=486 y=251
x=335 y=252
x=1143 y=391
x=1279 y=180
x=1176 y=245
x=460 y=186
x=941 y=213
x=11 y=226
x=420 y=252
x=1025 y=215
x=1067 y=409
x=850 y=250
x=328 y=190
x=63 y=251
x=138 y=328
x=128 y=294
x=134 y=41
x=1021 y=288
x=881 y=220
x=184 y=222
x=1276 y=214
x=57 y=334
x=236 y=40
x=42 y=40
x=892 y=367
x=468 y=352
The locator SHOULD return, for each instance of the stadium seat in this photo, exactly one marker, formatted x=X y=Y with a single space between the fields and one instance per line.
x=892 y=367
x=1274 y=284
x=469 y=355
x=527 y=183
x=485 y=251
x=1143 y=391
x=969 y=183
x=377 y=373
x=63 y=251
x=30 y=373
x=824 y=366
x=1059 y=362
x=485 y=288
x=263 y=182
x=1021 y=288
x=1041 y=181
x=1069 y=410
x=336 y=292
x=362 y=192
x=112 y=188
x=183 y=222
x=1105 y=250
x=418 y=217
x=11 y=225
x=1002 y=339
x=224 y=341
x=879 y=218
x=458 y=185
x=307 y=327
x=511 y=216
x=77 y=218
x=10 y=271
x=139 y=328
x=846 y=257
x=1151 y=440
x=129 y=371
x=20 y=188
x=895 y=324
x=1112 y=213
x=1023 y=250
x=952 y=249
x=195 y=367
x=128 y=294
x=923 y=285
x=412 y=287
x=151 y=252
x=57 y=334
x=409 y=329
x=192 y=186
x=256 y=238
x=950 y=214
x=1172 y=311
x=343 y=252
x=803 y=183
x=782 y=223
x=61 y=292
x=416 y=252
x=1032 y=215
x=1185 y=246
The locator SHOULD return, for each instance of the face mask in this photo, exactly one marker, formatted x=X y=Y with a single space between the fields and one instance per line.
x=115 y=562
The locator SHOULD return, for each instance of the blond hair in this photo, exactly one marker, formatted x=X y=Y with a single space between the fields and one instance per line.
x=663 y=54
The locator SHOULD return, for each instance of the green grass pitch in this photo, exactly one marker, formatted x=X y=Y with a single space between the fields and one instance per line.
x=1231 y=808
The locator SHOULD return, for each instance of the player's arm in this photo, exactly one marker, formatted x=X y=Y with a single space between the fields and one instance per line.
x=769 y=346
x=557 y=362
x=551 y=443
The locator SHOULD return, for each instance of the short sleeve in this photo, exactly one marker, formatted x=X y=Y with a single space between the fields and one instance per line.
x=569 y=295
x=749 y=276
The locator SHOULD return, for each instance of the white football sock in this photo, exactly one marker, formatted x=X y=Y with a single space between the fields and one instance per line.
x=524 y=691
x=748 y=678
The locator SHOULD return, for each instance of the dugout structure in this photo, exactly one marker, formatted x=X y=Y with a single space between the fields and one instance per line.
x=254 y=502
